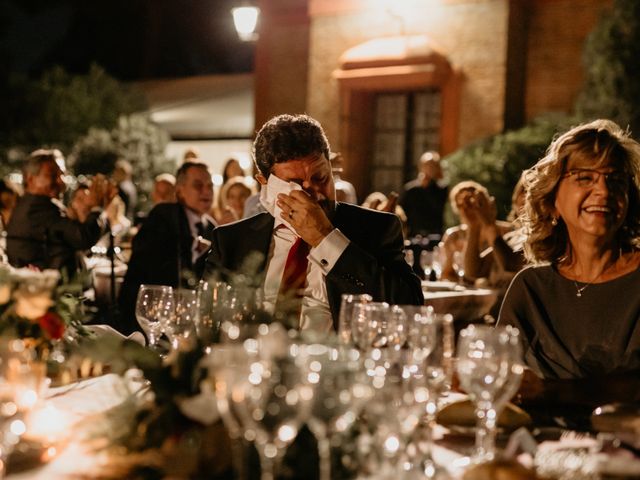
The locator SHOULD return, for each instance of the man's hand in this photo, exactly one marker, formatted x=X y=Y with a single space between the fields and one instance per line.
x=306 y=216
x=101 y=192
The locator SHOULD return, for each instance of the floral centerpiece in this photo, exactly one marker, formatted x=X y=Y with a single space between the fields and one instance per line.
x=37 y=308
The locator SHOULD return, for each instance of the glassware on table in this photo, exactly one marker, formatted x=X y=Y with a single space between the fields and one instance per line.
x=230 y=365
x=240 y=312
x=22 y=380
x=153 y=305
x=207 y=325
x=376 y=326
x=426 y=263
x=180 y=324
x=277 y=401
x=339 y=394
x=346 y=313
x=485 y=358
x=429 y=351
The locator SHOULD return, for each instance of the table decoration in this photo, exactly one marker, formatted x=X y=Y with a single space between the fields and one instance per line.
x=42 y=311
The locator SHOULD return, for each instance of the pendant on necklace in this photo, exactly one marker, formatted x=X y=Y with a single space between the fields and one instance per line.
x=578 y=294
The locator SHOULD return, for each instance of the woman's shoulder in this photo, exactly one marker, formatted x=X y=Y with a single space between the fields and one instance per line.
x=529 y=274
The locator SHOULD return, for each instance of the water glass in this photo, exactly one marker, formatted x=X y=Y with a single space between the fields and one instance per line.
x=484 y=365
x=346 y=313
x=180 y=324
x=153 y=305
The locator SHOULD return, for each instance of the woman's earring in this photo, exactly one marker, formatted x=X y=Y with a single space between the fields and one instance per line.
x=554 y=221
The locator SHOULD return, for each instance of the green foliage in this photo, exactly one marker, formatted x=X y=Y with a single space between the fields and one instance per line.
x=498 y=161
x=612 y=50
x=134 y=138
x=59 y=107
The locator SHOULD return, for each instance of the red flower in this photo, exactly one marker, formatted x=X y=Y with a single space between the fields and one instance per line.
x=52 y=325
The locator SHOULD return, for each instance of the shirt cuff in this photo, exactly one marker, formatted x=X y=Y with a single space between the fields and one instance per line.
x=329 y=250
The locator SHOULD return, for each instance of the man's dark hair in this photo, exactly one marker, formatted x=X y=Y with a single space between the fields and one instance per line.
x=181 y=174
x=287 y=137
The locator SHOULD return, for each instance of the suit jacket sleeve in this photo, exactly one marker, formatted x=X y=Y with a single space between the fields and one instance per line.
x=374 y=263
x=78 y=236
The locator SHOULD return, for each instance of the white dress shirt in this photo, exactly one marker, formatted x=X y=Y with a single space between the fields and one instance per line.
x=315 y=314
x=198 y=247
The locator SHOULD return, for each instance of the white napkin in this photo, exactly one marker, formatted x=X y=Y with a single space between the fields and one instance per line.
x=101 y=330
x=269 y=195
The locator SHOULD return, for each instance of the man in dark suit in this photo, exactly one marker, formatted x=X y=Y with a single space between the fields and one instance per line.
x=350 y=249
x=39 y=232
x=171 y=246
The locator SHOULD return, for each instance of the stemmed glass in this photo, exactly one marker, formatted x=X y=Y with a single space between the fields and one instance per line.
x=207 y=326
x=426 y=263
x=230 y=365
x=485 y=360
x=346 y=313
x=339 y=394
x=153 y=305
x=180 y=323
x=376 y=326
x=277 y=401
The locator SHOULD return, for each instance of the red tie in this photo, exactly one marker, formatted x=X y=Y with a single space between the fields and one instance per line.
x=293 y=278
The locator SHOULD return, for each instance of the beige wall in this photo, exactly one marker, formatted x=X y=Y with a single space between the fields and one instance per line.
x=472 y=35
x=302 y=41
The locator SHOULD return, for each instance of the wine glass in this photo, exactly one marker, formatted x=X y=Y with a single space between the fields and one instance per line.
x=339 y=394
x=180 y=324
x=484 y=365
x=230 y=365
x=376 y=326
x=426 y=263
x=207 y=325
x=346 y=313
x=152 y=307
x=277 y=401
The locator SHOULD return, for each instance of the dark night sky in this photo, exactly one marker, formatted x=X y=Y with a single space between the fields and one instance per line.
x=131 y=39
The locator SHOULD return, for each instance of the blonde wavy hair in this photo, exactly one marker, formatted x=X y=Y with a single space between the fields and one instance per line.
x=601 y=141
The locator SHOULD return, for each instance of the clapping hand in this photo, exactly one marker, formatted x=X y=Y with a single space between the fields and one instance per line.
x=101 y=191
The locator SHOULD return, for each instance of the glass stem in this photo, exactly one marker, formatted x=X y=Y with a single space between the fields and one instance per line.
x=267 y=464
x=486 y=432
x=324 y=452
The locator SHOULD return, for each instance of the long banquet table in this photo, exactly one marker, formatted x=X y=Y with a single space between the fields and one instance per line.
x=90 y=406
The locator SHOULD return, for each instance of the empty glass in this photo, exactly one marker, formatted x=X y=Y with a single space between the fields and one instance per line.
x=376 y=326
x=153 y=305
x=277 y=401
x=346 y=313
x=180 y=324
x=339 y=394
x=485 y=359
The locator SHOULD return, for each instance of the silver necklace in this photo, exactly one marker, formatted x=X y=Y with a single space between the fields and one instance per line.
x=581 y=289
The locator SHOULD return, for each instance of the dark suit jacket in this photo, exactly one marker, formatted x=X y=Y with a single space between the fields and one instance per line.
x=161 y=255
x=373 y=263
x=39 y=233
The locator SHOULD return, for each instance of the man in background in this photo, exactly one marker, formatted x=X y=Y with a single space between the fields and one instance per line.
x=171 y=246
x=423 y=199
x=40 y=233
x=122 y=176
